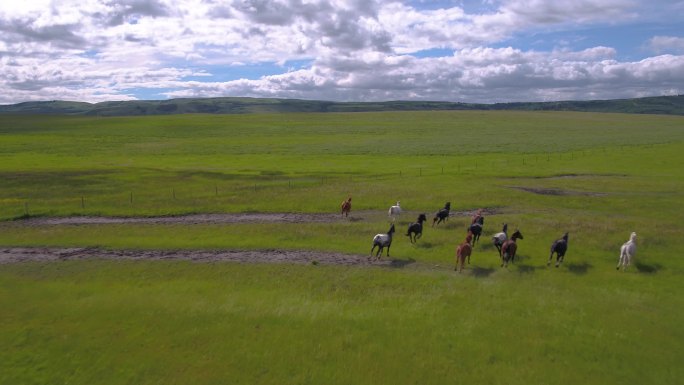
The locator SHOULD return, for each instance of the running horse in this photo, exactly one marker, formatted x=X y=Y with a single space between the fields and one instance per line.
x=475 y=227
x=346 y=207
x=442 y=215
x=463 y=251
x=509 y=248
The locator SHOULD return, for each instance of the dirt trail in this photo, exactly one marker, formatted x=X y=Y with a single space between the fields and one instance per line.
x=195 y=219
x=229 y=218
x=46 y=254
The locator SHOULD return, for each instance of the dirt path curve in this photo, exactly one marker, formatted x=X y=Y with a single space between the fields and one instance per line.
x=226 y=218
x=196 y=219
x=45 y=254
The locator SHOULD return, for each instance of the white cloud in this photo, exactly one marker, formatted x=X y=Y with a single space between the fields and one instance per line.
x=471 y=75
x=360 y=49
x=660 y=44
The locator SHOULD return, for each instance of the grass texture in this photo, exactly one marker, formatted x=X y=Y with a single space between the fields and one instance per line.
x=148 y=322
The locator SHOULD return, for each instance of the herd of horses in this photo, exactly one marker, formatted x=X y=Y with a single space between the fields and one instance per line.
x=505 y=245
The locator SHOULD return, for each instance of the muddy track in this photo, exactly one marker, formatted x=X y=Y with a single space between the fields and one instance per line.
x=45 y=254
x=195 y=219
x=229 y=218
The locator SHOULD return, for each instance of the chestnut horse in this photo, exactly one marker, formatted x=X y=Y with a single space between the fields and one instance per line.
x=463 y=251
x=346 y=207
x=509 y=248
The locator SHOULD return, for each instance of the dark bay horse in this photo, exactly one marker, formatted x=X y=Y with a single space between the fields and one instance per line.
x=442 y=215
x=559 y=246
x=509 y=248
x=476 y=228
x=415 y=230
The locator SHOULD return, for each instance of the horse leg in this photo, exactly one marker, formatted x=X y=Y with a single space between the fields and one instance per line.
x=620 y=260
x=559 y=259
x=388 y=247
x=550 y=256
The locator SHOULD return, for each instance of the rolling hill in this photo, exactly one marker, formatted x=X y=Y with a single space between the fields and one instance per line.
x=669 y=105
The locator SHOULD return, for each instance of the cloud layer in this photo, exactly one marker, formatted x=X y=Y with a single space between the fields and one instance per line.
x=96 y=50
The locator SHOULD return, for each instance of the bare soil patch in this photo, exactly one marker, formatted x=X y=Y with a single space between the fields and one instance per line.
x=557 y=192
x=46 y=254
x=196 y=219
x=229 y=218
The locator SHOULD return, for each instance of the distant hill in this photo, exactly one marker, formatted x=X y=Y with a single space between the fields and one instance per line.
x=672 y=105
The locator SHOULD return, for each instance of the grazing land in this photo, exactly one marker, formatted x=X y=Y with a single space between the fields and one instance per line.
x=126 y=219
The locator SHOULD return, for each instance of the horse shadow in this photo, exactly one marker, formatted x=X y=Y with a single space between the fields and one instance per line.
x=526 y=269
x=400 y=263
x=481 y=272
x=648 y=269
x=579 y=269
x=424 y=245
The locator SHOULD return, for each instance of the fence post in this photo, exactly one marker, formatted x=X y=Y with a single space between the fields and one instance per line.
x=82 y=202
x=131 y=196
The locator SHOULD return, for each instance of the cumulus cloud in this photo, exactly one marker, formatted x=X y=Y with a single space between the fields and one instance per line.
x=471 y=75
x=661 y=44
x=95 y=50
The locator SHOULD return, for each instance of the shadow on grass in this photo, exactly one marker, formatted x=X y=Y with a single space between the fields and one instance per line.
x=526 y=269
x=481 y=272
x=579 y=268
x=401 y=263
x=648 y=269
x=424 y=245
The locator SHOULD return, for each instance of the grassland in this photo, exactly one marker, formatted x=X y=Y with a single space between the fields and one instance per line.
x=118 y=322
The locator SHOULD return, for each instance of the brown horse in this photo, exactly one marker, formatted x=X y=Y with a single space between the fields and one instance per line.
x=509 y=248
x=463 y=251
x=346 y=207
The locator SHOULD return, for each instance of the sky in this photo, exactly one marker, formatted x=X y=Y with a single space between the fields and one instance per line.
x=485 y=51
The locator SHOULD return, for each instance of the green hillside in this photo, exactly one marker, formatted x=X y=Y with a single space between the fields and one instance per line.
x=670 y=105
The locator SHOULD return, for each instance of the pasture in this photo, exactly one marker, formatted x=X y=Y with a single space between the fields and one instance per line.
x=597 y=176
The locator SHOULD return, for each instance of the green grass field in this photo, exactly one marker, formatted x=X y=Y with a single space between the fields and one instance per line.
x=132 y=322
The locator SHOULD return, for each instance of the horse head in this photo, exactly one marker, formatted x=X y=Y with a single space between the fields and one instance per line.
x=565 y=237
x=632 y=237
x=421 y=218
x=516 y=235
x=391 y=229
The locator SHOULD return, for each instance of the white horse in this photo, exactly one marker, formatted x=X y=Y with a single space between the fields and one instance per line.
x=498 y=239
x=381 y=241
x=394 y=211
x=627 y=252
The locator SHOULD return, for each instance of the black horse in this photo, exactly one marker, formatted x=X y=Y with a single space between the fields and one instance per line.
x=559 y=246
x=476 y=229
x=415 y=230
x=442 y=215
